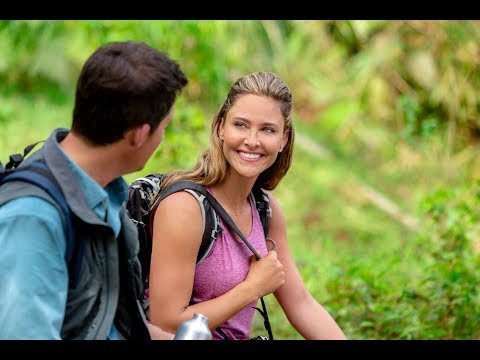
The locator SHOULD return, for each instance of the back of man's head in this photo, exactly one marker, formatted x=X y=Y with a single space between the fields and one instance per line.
x=123 y=85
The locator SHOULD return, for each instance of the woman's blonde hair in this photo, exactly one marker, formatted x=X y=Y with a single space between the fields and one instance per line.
x=212 y=167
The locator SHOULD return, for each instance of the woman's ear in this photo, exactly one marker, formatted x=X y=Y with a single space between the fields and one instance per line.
x=221 y=130
x=284 y=141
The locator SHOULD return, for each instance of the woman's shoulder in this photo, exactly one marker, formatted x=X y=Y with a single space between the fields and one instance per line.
x=182 y=202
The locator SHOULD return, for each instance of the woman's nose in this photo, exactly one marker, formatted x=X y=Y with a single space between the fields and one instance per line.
x=252 y=139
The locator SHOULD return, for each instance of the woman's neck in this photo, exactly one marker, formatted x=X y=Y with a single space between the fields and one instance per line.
x=233 y=196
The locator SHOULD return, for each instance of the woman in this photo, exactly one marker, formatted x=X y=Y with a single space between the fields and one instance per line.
x=251 y=144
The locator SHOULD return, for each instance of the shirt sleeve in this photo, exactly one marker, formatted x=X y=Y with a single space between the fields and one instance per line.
x=33 y=270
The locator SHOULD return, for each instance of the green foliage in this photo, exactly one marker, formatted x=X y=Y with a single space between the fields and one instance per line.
x=451 y=286
x=366 y=303
x=415 y=126
x=438 y=301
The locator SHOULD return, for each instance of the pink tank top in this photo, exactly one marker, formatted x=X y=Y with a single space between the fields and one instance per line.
x=225 y=267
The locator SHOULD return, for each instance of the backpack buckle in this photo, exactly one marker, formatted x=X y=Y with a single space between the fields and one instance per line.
x=269 y=212
x=15 y=160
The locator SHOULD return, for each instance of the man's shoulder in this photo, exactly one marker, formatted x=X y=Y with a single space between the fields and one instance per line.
x=21 y=198
x=30 y=206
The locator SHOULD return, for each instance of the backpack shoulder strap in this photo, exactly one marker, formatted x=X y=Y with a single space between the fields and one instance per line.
x=37 y=173
x=210 y=224
x=262 y=203
x=185 y=184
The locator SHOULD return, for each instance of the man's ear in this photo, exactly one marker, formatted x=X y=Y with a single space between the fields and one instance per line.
x=138 y=135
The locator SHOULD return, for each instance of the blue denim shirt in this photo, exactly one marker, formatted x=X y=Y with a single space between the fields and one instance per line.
x=37 y=281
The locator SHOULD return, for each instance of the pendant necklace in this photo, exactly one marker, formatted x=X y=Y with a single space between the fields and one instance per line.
x=231 y=204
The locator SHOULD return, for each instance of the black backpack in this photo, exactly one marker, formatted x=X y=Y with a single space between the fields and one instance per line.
x=140 y=208
x=38 y=174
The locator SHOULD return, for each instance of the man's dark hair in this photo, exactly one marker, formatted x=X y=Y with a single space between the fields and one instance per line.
x=123 y=85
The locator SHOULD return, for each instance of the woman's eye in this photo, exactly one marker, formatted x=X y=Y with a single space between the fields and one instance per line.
x=240 y=124
x=269 y=129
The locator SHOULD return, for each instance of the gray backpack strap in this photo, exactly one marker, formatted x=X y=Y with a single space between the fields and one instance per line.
x=201 y=198
x=17 y=189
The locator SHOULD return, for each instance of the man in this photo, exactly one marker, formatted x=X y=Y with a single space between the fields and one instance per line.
x=124 y=100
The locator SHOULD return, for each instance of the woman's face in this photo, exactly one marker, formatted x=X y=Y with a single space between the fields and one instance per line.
x=253 y=134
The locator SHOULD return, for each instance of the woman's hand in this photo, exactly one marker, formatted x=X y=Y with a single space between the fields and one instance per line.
x=158 y=334
x=266 y=275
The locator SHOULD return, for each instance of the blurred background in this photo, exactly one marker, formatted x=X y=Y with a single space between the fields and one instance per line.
x=382 y=198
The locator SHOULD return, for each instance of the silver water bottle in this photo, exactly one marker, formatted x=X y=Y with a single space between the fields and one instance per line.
x=194 y=329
